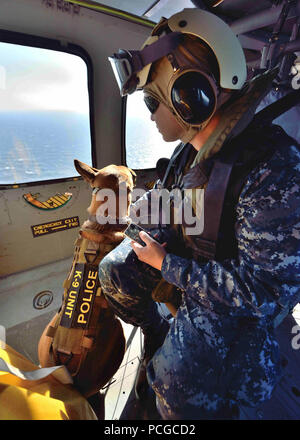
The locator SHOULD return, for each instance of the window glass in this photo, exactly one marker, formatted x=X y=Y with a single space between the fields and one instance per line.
x=44 y=114
x=144 y=143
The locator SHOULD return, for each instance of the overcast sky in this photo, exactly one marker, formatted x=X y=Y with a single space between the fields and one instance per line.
x=41 y=79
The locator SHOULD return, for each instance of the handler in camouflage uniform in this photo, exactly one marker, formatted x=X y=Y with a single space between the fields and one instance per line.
x=220 y=350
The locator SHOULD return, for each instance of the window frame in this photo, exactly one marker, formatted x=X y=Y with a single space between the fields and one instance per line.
x=123 y=130
x=29 y=40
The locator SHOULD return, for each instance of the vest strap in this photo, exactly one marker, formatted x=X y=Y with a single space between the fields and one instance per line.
x=51 y=331
x=214 y=197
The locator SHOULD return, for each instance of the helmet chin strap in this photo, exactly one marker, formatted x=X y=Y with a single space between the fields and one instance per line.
x=190 y=131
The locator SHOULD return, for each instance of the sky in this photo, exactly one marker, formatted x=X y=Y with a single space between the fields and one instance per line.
x=41 y=79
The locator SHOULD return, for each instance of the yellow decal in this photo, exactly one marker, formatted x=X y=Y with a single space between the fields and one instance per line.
x=55 y=226
x=54 y=202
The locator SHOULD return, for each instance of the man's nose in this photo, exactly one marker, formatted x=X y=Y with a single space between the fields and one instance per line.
x=152 y=117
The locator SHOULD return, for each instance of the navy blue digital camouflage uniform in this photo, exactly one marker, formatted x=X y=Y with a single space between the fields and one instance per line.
x=220 y=350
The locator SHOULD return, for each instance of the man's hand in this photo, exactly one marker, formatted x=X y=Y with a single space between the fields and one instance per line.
x=153 y=253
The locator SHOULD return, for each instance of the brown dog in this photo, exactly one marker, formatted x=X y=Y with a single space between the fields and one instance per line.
x=120 y=180
x=85 y=335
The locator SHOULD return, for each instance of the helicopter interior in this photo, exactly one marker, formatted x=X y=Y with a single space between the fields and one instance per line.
x=47 y=46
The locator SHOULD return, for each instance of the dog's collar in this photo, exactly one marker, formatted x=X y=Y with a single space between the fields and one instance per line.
x=91 y=225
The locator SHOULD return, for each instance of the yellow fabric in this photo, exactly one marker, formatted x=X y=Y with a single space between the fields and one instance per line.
x=44 y=399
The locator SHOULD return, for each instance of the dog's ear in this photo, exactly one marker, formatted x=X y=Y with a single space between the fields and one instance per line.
x=87 y=172
x=133 y=175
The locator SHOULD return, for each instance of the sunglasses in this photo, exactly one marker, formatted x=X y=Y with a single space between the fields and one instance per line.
x=151 y=103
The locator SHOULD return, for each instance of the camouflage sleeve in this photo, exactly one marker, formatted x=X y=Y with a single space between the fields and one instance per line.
x=268 y=232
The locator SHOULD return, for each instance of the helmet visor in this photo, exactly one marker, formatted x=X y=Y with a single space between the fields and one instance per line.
x=122 y=69
x=127 y=65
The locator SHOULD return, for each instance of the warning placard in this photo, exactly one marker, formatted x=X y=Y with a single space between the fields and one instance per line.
x=55 y=226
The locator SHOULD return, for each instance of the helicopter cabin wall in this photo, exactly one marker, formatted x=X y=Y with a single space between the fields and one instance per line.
x=25 y=240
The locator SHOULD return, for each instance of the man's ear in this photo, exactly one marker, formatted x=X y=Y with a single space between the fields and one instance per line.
x=87 y=172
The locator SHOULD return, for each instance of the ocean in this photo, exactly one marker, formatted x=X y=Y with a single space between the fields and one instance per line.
x=38 y=146
x=42 y=145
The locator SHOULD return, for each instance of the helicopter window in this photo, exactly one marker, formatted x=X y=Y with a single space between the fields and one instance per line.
x=44 y=114
x=144 y=144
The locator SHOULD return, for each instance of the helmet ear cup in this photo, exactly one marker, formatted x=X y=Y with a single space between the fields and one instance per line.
x=194 y=97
